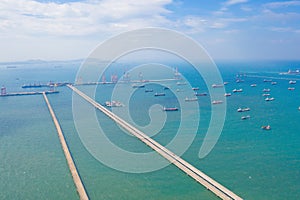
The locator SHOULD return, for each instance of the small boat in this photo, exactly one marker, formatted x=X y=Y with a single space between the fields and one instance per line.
x=243 y=109
x=268 y=127
x=190 y=99
x=239 y=81
x=195 y=88
x=237 y=90
x=225 y=83
x=166 y=88
x=170 y=109
x=201 y=94
x=181 y=83
x=273 y=83
x=265 y=94
x=227 y=94
x=292 y=82
x=159 y=94
x=253 y=85
x=217 y=85
x=138 y=86
x=245 y=117
x=266 y=90
x=291 y=88
x=299 y=108
x=149 y=90
x=113 y=104
x=269 y=99
x=217 y=102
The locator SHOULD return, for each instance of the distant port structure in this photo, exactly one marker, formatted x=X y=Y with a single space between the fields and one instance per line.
x=200 y=177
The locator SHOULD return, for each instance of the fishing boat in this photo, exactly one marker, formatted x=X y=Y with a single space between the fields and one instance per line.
x=201 y=94
x=138 y=86
x=170 y=109
x=190 y=99
x=245 y=117
x=149 y=90
x=217 y=85
x=159 y=94
x=292 y=82
x=217 y=102
x=268 y=127
x=269 y=99
x=113 y=104
x=181 y=83
x=237 y=90
x=243 y=109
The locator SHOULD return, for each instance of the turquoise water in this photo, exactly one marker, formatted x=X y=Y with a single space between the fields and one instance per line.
x=253 y=163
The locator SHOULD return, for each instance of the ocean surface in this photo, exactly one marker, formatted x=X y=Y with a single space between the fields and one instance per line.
x=253 y=163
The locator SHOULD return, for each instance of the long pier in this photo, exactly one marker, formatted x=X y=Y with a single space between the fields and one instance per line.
x=76 y=178
x=27 y=93
x=193 y=172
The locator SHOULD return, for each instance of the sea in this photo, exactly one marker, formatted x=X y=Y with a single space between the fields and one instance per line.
x=253 y=163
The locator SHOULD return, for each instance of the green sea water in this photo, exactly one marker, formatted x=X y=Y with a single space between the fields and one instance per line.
x=253 y=163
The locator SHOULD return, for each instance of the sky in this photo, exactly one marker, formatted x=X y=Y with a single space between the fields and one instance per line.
x=227 y=29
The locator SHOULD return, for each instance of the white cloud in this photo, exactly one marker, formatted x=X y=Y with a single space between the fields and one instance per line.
x=27 y=17
x=279 y=4
x=233 y=2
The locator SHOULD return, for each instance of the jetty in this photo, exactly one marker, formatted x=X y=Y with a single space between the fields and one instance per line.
x=76 y=178
x=183 y=165
x=27 y=93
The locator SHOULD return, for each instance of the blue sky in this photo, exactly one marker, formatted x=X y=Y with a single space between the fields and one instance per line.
x=228 y=29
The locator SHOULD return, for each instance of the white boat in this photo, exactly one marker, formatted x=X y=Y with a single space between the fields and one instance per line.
x=268 y=127
x=217 y=102
x=113 y=104
x=149 y=90
x=269 y=99
x=265 y=94
x=292 y=82
x=243 y=109
x=191 y=99
x=195 y=88
x=138 y=86
x=181 y=83
x=266 y=90
x=217 y=85
x=201 y=94
x=245 y=117
x=237 y=90
x=291 y=88
x=159 y=94
x=227 y=94
x=273 y=83
x=170 y=109
x=253 y=85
